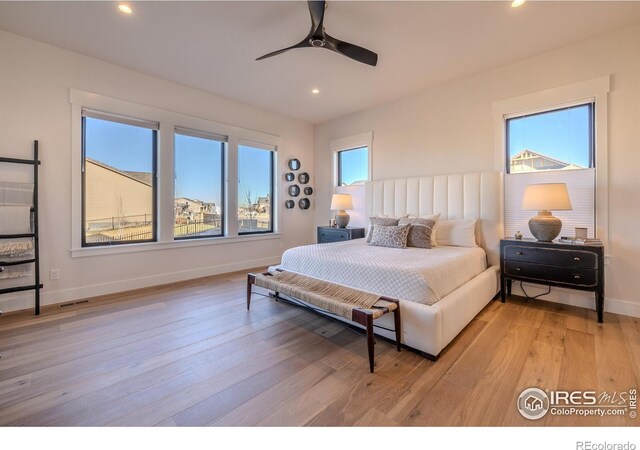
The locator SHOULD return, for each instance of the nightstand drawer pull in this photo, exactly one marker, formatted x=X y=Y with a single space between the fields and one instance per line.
x=518 y=269
x=576 y=259
x=519 y=253
x=576 y=277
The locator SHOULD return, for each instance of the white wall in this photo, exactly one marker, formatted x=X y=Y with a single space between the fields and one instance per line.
x=450 y=128
x=35 y=80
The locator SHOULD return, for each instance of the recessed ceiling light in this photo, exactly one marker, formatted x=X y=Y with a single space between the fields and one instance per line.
x=517 y=3
x=125 y=9
x=315 y=91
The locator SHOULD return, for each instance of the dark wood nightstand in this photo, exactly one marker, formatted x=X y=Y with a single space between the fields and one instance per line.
x=574 y=266
x=332 y=234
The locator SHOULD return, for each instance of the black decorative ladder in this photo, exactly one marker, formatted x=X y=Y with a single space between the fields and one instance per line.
x=34 y=232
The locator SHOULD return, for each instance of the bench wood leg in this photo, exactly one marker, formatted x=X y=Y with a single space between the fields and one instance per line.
x=396 y=320
x=370 y=342
x=251 y=278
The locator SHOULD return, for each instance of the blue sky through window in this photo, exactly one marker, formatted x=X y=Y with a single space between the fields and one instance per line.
x=124 y=147
x=198 y=168
x=254 y=173
x=354 y=165
x=562 y=134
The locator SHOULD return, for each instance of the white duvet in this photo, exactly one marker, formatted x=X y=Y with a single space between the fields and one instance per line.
x=414 y=274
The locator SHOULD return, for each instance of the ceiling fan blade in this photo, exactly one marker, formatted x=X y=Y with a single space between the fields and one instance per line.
x=316 y=9
x=302 y=44
x=350 y=50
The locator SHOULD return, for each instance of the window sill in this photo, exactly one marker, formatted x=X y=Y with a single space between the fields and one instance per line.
x=151 y=246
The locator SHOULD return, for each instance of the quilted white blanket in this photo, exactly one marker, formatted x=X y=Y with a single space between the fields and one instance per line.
x=414 y=274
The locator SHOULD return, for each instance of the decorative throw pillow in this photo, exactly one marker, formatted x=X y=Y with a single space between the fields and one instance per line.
x=420 y=232
x=390 y=236
x=458 y=233
x=434 y=232
x=377 y=220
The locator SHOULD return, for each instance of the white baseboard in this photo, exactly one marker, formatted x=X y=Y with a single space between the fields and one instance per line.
x=24 y=300
x=580 y=299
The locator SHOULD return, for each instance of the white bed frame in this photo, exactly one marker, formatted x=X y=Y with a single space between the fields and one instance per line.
x=430 y=328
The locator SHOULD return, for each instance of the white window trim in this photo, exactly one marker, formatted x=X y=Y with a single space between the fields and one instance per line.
x=168 y=120
x=349 y=143
x=582 y=92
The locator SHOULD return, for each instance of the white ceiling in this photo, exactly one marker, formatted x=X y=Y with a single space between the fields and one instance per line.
x=212 y=46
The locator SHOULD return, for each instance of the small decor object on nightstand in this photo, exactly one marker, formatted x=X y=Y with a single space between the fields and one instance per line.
x=341 y=202
x=518 y=235
x=543 y=198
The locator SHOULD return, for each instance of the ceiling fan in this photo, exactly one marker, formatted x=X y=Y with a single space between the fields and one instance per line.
x=320 y=39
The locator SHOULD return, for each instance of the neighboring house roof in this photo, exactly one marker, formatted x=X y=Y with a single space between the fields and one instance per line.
x=141 y=177
x=530 y=154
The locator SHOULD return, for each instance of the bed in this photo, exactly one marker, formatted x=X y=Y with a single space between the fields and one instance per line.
x=441 y=289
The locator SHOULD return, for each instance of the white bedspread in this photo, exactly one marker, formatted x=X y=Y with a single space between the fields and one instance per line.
x=414 y=274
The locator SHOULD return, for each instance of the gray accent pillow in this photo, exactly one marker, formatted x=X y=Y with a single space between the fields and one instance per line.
x=390 y=236
x=385 y=221
x=420 y=232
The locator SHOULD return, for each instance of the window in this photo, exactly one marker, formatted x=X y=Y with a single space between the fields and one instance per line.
x=353 y=166
x=118 y=179
x=561 y=139
x=255 y=188
x=554 y=146
x=199 y=184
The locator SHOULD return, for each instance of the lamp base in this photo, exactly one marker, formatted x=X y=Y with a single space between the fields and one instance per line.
x=545 y=227
x=342 y=219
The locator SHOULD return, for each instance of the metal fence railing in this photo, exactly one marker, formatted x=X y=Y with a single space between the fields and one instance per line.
x=116 y=223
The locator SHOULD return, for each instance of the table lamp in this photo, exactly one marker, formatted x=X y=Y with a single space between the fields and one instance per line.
x=543 y=198
x=341 y=202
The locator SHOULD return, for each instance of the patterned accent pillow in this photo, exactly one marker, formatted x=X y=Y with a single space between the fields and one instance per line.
x=376 y=220
x=390 y=236
x=420 y=232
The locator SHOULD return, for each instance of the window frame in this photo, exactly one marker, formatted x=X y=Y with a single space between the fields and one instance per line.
x=167 y=120
x=591 y=103
x=154 y=189
x=272 y=186
x=351 y=143
x=339 y=164
x=223 y=140
x=594 y=89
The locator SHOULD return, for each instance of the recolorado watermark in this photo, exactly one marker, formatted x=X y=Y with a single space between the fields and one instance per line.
x=588 y=445
x=535 y=403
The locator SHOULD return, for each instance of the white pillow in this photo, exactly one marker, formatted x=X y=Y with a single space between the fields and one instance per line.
x=457 y=233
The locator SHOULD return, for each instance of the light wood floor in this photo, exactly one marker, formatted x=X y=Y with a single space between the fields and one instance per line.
x=190 y=354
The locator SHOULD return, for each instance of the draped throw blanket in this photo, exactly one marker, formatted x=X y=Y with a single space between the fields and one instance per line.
x=16 y=193
x=334 y=298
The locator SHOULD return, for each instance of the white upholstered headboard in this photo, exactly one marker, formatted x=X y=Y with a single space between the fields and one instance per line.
x=456 y=196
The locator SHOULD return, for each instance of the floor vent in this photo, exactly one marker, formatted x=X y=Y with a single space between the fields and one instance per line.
x=79 y=302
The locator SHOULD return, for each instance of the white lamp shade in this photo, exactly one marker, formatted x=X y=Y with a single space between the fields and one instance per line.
x=341 y=201
x=546 y=196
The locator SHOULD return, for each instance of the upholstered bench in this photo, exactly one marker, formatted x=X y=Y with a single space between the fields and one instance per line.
x=354 y=305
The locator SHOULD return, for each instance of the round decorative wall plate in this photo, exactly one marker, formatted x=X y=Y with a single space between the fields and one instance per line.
x=294 y=164
x=303 y=178
x=304 y=203
x=294 y=190
x=289 y=204
x=308 y=190
x=289 y=176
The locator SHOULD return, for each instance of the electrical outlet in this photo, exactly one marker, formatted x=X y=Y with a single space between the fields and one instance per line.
x=54 y=274
x=607 y=260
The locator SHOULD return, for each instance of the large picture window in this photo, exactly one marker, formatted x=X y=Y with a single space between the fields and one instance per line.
x=353 y=166
x=255 y=188
x=119 y=179
x=553 y=146
x=199 y=184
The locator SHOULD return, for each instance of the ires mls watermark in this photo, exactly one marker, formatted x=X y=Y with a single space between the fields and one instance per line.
x=534 y=403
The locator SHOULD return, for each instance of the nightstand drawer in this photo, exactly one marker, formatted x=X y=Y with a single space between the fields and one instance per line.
x=336 y=235
x=556 y=257
x=542 y=273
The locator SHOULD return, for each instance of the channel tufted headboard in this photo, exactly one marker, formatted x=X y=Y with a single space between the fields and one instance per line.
x=456 y=196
